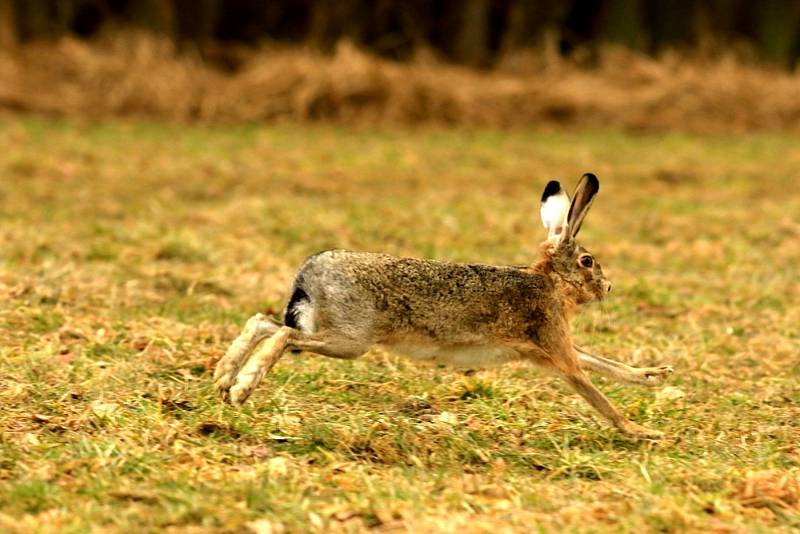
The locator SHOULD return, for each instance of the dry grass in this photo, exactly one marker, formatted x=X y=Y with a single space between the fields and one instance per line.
x=140 y=76
x=130 y=254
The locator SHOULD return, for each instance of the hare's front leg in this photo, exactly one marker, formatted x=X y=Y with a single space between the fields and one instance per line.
x=647 y=376
x=565 y=362
x=257 y=328
x=581 y=383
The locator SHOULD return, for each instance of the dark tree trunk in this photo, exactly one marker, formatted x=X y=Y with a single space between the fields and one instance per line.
x=777 y=25
x=157 y=16
x=332 y=21
x=195 y=21
x=8 y=30
x=472 y=39
x=527 y=21
x=622 y=23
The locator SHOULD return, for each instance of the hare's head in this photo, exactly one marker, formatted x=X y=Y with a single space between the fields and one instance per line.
x=570 y=263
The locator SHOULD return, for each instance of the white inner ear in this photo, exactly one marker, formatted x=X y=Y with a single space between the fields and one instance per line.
x=555 y=209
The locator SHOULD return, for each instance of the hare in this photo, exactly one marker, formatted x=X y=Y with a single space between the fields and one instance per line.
x=343 y=303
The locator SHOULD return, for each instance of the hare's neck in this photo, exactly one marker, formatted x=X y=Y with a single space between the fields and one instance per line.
x=566 y=293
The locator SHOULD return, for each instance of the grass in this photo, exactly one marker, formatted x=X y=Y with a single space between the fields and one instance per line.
x=131 y=253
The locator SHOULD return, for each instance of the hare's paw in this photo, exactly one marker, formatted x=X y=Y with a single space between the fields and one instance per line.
x=655 y=376
x=247 y=380
x=639 y=432
x=258 y=327
x=241 y=391
x=225 y=377
x=222 y=386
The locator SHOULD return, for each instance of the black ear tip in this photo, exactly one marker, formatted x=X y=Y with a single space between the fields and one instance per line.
x=552 y=188
x=592 y=181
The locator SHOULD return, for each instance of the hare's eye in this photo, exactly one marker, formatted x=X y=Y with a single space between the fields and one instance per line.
x=586 y=261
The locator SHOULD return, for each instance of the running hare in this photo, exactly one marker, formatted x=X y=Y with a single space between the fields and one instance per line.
x=343 y=303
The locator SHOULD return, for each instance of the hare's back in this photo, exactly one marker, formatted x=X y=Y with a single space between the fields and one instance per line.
x=379 y=297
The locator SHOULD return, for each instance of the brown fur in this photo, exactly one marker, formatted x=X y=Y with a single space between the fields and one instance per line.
x=344 y=303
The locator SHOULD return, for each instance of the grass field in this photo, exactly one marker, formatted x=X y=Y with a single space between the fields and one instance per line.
x=131 y=253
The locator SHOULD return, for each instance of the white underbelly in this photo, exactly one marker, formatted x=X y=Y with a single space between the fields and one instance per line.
x=463 y=356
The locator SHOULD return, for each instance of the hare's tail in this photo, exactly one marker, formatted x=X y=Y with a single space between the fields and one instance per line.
x=299 y=313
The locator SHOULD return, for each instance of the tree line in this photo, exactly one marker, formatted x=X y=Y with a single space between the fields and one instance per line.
x=470 y=32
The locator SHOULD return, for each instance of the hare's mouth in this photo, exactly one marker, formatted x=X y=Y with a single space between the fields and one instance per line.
x=603 y=289
x=600 y=294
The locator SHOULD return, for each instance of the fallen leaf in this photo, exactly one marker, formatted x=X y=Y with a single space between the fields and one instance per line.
x=670 y=393
x=345 y=515
x=315 y=520
x=104 y=409
x=447 y=418
x=133 y=495
x=264 y=526
x=277 y=466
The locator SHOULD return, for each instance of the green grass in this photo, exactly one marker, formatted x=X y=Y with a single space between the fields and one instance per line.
x=131 y=253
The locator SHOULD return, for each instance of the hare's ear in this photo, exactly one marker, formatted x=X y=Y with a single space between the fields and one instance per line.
x=587 y=188
x=555 y=206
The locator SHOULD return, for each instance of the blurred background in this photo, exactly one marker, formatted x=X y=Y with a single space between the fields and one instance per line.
x=688 y=64
x=470 y=32
x=165 y=166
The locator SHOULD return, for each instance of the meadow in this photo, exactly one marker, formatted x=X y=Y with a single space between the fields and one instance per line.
x=132 y=252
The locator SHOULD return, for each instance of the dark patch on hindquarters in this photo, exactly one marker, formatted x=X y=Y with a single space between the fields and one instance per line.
x=292 y=313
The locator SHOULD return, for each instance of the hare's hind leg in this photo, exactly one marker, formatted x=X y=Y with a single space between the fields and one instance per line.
x=268 y=354
x=257 y=328
x=647 y=376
